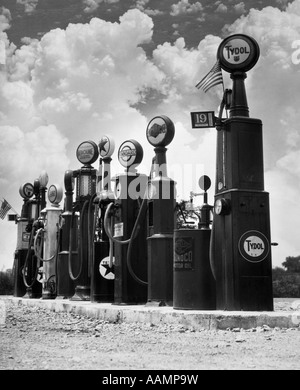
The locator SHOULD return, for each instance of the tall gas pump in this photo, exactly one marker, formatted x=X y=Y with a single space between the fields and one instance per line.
x=102 y=271
x=161 y=216
x=65 y=285
x=23 y=236
x=125 y=224
x=31 y=270
x=241 y=243
x=47 y=241
x=86 y=178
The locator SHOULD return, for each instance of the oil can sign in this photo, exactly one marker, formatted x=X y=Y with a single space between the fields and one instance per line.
x=254 y=246
x=184 y=259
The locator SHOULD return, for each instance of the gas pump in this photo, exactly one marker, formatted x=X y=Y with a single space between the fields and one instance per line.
x=23 y=236
x=65 y=285
x=125 y=225
x=161 y=216
x=46 y=242
x=87 y=153
x=240 y=245
x=102 y=259
x=194 y=284
x=31 y=270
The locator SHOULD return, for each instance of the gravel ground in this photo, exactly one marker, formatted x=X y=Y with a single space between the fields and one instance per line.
x=34 y=338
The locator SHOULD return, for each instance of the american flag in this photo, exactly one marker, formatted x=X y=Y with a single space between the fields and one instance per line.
x=4 y=208
x=213 y=78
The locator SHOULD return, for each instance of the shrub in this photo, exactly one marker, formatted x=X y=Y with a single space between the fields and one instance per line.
x=286 y=285
x=6 y=283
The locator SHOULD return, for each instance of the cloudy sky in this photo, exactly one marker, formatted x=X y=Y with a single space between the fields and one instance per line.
x=75 y=70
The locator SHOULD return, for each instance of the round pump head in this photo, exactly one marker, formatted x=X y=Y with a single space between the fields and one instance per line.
x=238 y=53
x=130 y=153
x=160 y=131
x=87 y=152
x=106 y=147
x=26 y=191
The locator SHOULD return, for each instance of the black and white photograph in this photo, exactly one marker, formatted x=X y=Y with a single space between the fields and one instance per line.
x=149 y=183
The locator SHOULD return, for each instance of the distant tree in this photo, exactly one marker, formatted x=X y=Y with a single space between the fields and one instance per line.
x=292 y=264
x=6 y=282
x=286 y=281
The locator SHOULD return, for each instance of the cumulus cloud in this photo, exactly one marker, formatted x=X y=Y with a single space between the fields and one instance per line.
x=240 y=8
x=5 y=19
x=92 y=5
x=184 y=7
x=142 y=6
x=222 y=8
x=29 y=5
x=92 y=79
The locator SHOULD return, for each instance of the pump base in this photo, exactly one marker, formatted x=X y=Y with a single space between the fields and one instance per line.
x=46 y=296
x=157 y=304
x=31 y=294
x=82 y=293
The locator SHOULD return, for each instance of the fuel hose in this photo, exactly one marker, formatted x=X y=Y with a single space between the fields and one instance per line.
x=80 y=252
x=38 y=250
x=134 y=234
x=30 y=285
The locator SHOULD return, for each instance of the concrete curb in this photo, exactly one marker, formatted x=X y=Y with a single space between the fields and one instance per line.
x=197 y=320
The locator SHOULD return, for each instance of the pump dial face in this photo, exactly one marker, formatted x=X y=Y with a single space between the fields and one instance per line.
x=222 y=206
x=106 y=147
x=26 y=190
x=160 y=131
x=218 y=207
x=55 y=194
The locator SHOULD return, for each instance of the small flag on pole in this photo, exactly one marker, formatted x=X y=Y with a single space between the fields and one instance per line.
x=213 y=78
x=4 y=209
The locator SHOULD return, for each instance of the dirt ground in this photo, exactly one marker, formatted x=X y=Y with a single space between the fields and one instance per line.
x=34 y=338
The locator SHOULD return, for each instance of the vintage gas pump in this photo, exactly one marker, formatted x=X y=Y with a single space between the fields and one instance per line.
x=102 y=271
x=86 y=178
x=194 y=284
x=31 y=271
x=23 y=236
x=47 y=242
x=125 y=225
x=241 y=244
x=65 y=285
x=161 y=216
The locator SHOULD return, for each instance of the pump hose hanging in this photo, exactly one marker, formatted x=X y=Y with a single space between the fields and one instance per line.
x=39 y=250
x=212 y=252
x=134 y=234
x=26 y=263
x=80 y=252
x=91 y=231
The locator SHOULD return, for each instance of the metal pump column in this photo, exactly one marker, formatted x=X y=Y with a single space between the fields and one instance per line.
x=51 y=233
x=65 y=285
x=240 y=246
x=102 y=271
x=26 y=191
x=161 y=216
